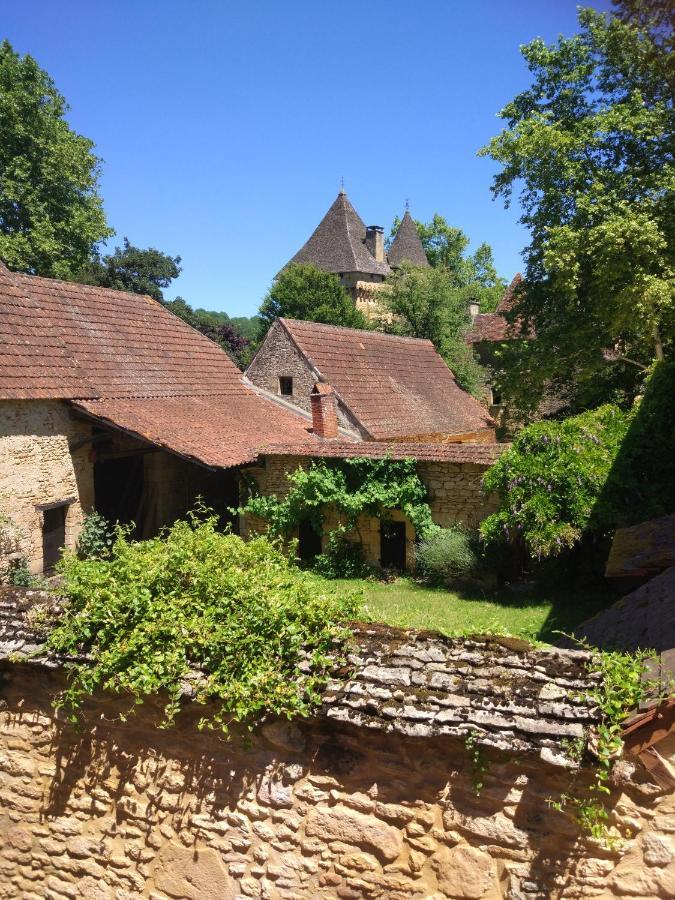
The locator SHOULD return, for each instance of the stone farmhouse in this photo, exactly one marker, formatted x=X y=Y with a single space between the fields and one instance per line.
x=109 y=402
x=344 y=245
x=386 y=387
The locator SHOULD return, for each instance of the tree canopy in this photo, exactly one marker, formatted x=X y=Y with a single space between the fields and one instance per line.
x=426 y=303
x=51 y=214
x=589 y=149
x=474 y=274
x=304 y=292
x=131 y=269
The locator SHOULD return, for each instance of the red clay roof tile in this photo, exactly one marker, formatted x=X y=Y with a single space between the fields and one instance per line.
x=395 y=386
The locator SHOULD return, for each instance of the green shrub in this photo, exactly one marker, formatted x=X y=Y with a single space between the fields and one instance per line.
x=341 y=558
x=445 y=555
x=19 y=573
x=241 y=613
x=96 y=537
x=551 y=480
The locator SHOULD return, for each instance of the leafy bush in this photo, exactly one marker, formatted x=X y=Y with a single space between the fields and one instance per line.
x=551 y=479
x=445 y=555
x=96 y=537
x=240 y=613
x=10 y=549
x=341 y=558
x=19 y=573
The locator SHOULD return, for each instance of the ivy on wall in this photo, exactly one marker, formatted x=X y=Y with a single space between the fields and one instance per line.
x=352 y=487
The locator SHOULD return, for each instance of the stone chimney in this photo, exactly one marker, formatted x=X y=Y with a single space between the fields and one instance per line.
x=474 y=309
x=375 y=241
x=324 y=411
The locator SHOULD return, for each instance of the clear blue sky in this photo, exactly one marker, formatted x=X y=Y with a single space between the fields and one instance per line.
x=225 y=127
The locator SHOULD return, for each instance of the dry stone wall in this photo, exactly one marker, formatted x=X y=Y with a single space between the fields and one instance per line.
x=310 y=809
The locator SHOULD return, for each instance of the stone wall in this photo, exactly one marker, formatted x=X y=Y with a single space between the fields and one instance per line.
x=455 y=495
x=37 y=468
x=455 y=492
x=314 y=809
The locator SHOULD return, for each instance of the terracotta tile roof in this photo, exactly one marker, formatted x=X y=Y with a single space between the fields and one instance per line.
x=128 y=362
x=642 y=550
x=221 y=431
x=35 y=362
x=394 y=386
x=494 y=326
x=134 y=365
x=407 y=246
x=124 y=344
x=337 y=243
x=478 y=454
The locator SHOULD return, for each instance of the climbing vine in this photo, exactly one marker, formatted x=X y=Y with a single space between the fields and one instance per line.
x=236 y=620
x=353 y=487
x=617 y=692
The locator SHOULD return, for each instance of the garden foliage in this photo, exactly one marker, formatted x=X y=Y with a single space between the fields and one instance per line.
x=96 y=537
x=550 y=481
x=194 y=599
x=446 y=554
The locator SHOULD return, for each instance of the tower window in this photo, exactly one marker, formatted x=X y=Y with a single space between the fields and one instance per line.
x=285 y=386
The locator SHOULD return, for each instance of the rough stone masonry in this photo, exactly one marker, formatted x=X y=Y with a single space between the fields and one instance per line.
x=373 y=798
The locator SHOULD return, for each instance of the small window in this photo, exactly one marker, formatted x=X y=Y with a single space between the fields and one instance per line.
x=53 y=535
x=285 y=386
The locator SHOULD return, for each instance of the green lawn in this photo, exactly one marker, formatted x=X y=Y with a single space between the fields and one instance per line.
x=535 y=614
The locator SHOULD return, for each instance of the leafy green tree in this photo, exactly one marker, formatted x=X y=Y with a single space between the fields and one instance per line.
x=550 y=481
x=51 y=214
x=445 y=247
x=131 y=269
x=426 y=303
x=589 y=147
x=217 y=327
x=304 y=292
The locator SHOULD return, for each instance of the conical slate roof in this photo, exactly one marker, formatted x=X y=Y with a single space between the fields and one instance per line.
x=506 y=303
x=337 y=244
x=407 y=246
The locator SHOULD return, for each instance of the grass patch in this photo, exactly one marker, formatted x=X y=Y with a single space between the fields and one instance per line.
x=536 y=613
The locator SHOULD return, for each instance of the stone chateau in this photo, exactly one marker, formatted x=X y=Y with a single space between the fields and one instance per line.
x=344 y=245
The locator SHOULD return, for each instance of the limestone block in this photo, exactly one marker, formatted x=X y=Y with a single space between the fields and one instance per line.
x=339 y=823
x=464 y=872
x=191 y=874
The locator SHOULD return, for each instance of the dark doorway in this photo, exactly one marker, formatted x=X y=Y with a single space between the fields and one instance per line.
x=309 y=541
x=53 y=535
x=392 y=545
x=118 y=490
x=219 y=491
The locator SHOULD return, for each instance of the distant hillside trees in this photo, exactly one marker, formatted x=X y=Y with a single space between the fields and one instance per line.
x=132 y=269
x=51 y=213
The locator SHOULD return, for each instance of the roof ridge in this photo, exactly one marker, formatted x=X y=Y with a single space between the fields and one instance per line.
x=368 y=331
x=87 y=287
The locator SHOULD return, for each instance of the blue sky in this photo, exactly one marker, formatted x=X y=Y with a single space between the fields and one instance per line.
x=225 y=127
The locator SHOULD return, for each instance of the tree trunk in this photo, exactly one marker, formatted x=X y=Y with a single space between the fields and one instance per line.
x=658 y=344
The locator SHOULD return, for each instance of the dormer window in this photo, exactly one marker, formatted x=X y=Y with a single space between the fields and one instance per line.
x=285 y=386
